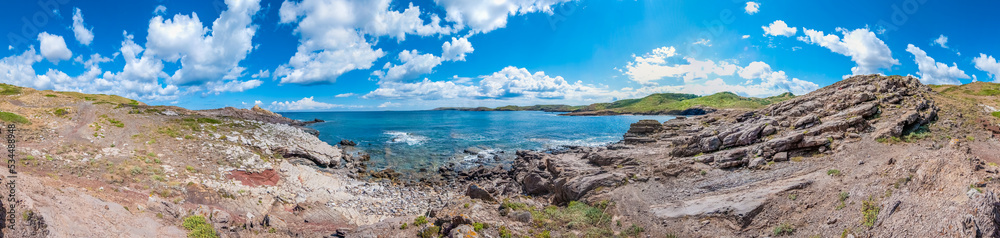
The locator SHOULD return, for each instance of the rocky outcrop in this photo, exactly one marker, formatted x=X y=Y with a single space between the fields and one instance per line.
x=877 y=107
x=639 y=132
x=291 y=141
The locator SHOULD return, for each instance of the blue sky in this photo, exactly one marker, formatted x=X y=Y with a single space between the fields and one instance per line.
x=331 y=55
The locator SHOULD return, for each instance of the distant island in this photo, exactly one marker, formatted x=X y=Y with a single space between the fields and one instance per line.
x=655 y=104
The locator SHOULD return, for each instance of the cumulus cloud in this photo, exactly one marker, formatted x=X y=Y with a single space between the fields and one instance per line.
x=304 y=104
x=653 y=66
x=332 y=36
x=865 y=49
x=932 y=72
x=414 y=64
x=206 y=54
x=344 y=95
x=485 y=16
x=81 y=32
x=425 y=90
x=779 y=28
x=702 y=76
x=752 y=7
x=53 y=47
x=941 y=41
x=456 y=49
x=985 y=63
x=510 y=82
x=17 y=70
x=745 y=36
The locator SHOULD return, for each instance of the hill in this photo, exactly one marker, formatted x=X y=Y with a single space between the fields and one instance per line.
x=654 y=104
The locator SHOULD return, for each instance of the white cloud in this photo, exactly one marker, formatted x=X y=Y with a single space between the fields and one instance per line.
x=941 y=41
x=261 y=74
x=760 y=79
x=653 y=66
x=216 y=87
x=344 y=95
x=304 y=104
x=510 y=82
x=746 y=36
x=865 y=49
x=414 y=64
x=932 y=72
x=425 y=90
x=779 y=28
x=160 y=10
x=704 y=42
x=82 y=34
x=53 y=47
x=206 y=55
x=17 y=70
x=456 y=49
x=387 y=104
x=485 y=16
x=752 y=7
x=985 y=63
x=332 y=36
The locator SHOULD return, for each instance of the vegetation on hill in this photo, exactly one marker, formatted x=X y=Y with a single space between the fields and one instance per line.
x=660 y=103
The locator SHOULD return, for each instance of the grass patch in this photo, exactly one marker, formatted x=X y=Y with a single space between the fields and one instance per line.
x=60 y=112
x=11 y=117
x=420 y=221
x=51 y=95
x=843 y=198
x=784 y=229
x=7 y=89
x=575 y=216
x=198 y=227
x=869 y=212
x=995 y=114
x=633 y=231
x=796 y=159
x=833 y=172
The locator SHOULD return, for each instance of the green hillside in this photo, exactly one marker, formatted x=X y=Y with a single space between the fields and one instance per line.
x=660 y=103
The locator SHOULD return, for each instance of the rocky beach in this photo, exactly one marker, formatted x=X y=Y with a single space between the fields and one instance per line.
x=869 y=156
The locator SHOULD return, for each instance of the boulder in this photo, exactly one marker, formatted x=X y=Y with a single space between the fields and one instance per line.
x=346 y=142
x=534 y=184
x=575 y=188
x=476 y=192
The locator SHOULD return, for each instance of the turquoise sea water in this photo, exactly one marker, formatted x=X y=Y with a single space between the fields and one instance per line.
x=411 y=140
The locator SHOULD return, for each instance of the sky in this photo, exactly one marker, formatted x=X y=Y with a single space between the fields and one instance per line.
x=342 y=55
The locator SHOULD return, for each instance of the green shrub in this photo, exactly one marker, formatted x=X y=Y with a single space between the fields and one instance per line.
x=869 y=212
x=784 y=229
x=198 y=227
x=420 y=221
x=633 y=231
x=476 y=226
x=403 y=227
x=429 y=232
x=833 y=172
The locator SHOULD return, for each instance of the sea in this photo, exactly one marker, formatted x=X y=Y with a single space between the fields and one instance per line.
x=411 y=141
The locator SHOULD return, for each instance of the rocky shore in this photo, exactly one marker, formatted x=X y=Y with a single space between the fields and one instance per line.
x=869 y=156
